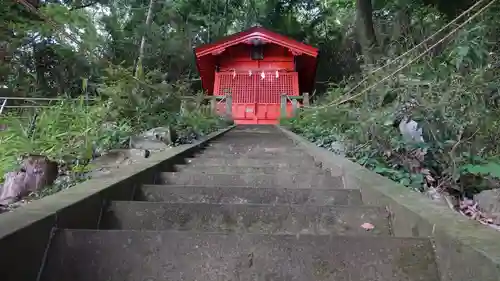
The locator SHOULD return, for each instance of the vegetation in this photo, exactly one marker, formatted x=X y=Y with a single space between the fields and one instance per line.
x=135 y=57
x=86 y=60
x=451 y=92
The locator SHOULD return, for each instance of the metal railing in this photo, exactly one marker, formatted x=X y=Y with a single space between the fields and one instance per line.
x=294 y=101
x=4 y=102
x=32 y=116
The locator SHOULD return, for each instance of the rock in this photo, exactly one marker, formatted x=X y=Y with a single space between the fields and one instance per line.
x=114 y=159
x=164 y=134
x=154 y=139
x=36 y=172
x=337 y=148
x=140 y=142
x=489 y=202
x=14 y=188
x=411 y=131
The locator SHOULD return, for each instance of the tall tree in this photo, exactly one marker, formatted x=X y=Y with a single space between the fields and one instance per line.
x=366 y=31
x=139 y=70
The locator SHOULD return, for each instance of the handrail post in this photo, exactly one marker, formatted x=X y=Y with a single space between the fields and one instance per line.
x=305 y=99
x=283 y=105
x=294 y=107
x=213 y=104
x=229 y=105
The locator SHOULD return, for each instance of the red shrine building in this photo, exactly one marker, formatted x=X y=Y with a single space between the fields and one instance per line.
x=256 y=68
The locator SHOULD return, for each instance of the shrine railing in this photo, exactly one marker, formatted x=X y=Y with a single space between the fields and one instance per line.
x=227 y=100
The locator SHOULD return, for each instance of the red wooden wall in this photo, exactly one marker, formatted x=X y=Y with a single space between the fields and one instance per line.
x=256 y=97
x=238 y=58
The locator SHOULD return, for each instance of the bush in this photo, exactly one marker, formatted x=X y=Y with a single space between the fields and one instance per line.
x=454 y=97
x=66 y=129
x=74 y=130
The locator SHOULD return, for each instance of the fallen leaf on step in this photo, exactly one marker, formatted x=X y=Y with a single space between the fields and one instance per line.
x=367 y=226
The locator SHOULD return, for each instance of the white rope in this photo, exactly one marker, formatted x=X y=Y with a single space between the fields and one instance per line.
x=337 y=102
x=4 y=102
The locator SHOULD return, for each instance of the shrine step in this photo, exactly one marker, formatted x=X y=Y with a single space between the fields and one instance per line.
x=250 y=206
x=253 y=180
x=247 y=195
x=262 y=140
x=253 y=146
x=90 y=255
x=204 y=169
x=298 y=163
x=259 y=154
x=289 y=149
x=246 y=218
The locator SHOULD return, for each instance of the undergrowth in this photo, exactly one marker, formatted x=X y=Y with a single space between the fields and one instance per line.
x=74 y=131
x=452 y=94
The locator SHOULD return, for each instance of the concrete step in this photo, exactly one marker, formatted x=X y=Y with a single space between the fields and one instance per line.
x=250 y=133
x=249 y=162
x=255 y=139
x=204 y=169
x=260 y=130
x=244 y=147
x=246 y=218
x=201 y=168
x=261 y=155
x=261 y=142
x=256 y=143
x=89 y=255
x=252 y=180
x=252 y=154
x=259 y=149
x=248 y=195
x=254 y=131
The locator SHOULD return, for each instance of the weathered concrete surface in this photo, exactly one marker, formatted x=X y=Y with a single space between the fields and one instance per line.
x=272 y=140
x=83 y=255
x=24 y=232
x=254 y=180
x=200 y=167
x=254 y=141
x=283 y=172
x=291 y=148
x=246 y=218
x=304 y=160
x=248 y=195
x=254 y=155
x=248 y=162
x=489 y=202
x=303 y=237
x=22 y=248
x=224 y=149
x=465 y=249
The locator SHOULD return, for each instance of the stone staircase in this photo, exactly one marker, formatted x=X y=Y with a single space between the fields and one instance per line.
x=251 y=206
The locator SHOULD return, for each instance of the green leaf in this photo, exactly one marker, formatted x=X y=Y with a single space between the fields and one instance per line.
x=405 y=181
x=491 y=169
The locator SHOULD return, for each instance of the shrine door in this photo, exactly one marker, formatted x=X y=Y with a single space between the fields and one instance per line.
x=256 y=97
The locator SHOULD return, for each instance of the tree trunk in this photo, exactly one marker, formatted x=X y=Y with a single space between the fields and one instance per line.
x=149 y=17
x=401 y=30
x=366 y=32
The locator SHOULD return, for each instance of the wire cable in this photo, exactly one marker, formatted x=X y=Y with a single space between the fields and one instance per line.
x=337 y=102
